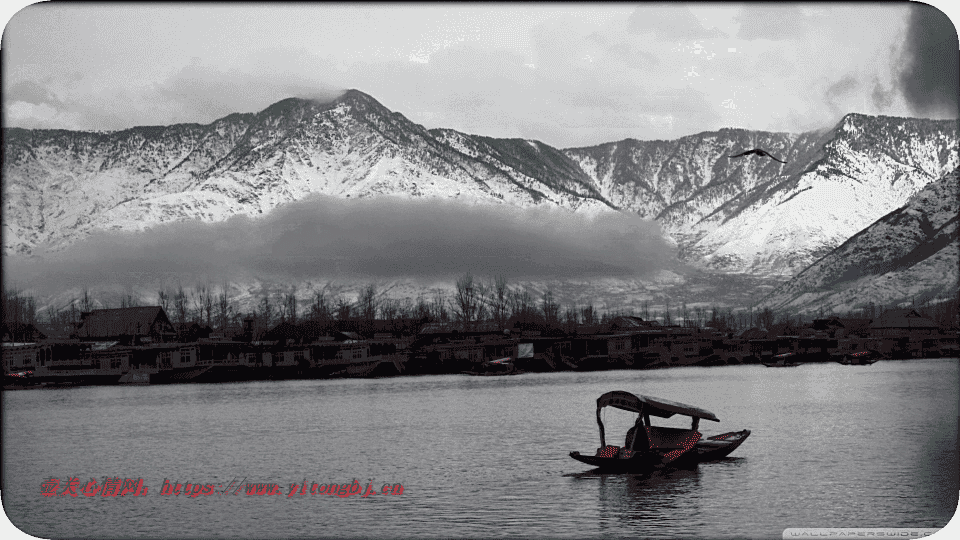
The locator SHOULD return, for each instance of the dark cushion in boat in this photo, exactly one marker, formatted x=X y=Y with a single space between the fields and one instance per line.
x=668 y=438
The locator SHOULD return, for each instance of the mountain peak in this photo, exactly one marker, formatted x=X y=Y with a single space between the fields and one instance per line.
x=322 y=101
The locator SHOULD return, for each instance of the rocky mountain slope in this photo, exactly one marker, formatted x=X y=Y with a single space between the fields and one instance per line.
x=60 y=185
x=748 y=214
x=753 y=214
x=908 y=254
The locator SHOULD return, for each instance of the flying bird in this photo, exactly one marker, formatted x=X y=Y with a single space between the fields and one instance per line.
x=758 y=152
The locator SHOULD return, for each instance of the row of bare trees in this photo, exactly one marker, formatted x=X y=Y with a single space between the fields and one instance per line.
x=472 y=301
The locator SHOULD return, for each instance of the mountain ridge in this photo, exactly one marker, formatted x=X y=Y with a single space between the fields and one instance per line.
x=746 y=214
x=897 y=258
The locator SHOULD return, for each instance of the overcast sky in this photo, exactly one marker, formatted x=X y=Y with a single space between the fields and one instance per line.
x=568 y=75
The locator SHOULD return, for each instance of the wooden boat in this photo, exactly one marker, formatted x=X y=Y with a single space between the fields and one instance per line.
x=650 y=447
x=19 y=380
x=500 y=366
x=862 y=358
x=780 y=360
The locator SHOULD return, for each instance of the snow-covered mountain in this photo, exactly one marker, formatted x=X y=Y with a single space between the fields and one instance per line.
x=747 y=214
x=910 y=253
x=61 y=185
x=753 y=214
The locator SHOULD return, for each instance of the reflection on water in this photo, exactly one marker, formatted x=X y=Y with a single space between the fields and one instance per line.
x=831 y=446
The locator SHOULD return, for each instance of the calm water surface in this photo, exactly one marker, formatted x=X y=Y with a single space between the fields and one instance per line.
x=832 y=446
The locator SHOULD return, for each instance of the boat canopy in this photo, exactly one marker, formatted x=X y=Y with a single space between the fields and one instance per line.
x=650 y=405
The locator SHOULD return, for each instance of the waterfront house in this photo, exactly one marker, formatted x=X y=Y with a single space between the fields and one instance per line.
x=839 y=328
x=903 y=323
x=126 y=325
x=285 y=333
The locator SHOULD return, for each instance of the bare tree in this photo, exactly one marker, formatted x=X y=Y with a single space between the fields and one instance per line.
x=390 y=309
x=265 y=312
x=765 y=318
x=439 y=307
x=202 y=303
x=180 y=306
x=320 y=308
x=280 y=305
x=468 y=300
x=422 y=309
x=570 y=318
x=291 y=303
x=129 y=300
x=163 y=297
x=343 y=308
x=224 y=306
x=367 y=302
x=551 y=309
x=86 y=303
x=521 y=303
x=499 y=300
x=588 y=314
x=700 y=314
x=18 y=308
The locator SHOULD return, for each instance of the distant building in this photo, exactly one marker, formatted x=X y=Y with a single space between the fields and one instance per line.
x=903 y=323
x=285 y=333
x=57 y=331
x=837 y=327
x=16 y=332
x=626 y=323
x=126 y=325
x=188 y=332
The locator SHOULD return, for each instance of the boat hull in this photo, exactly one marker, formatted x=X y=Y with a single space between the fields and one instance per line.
x=640 y=462
x=714 y=448
x=710 y=449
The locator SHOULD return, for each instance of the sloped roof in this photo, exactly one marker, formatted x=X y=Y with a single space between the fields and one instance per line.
x=856 y=324
x=19 y=330
x=902 y=318
x=629 y=321
x=752 y=333
x=824 y=324
x=59 y=331
x=120 y=322
x=476 y=327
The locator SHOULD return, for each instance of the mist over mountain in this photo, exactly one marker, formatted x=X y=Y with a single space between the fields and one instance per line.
x=368 y=239
x=344 y=185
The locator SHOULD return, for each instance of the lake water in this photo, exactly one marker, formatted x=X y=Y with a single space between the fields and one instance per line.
x=832 y=446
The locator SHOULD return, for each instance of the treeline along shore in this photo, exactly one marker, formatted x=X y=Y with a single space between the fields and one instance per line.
x=483 y=330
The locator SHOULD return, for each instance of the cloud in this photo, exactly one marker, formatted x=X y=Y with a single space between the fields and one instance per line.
x=30 y=92
x=633 y=56
x=668 y=22
x=771 y=22
x=207 y=92
x=930 y=63
x=381 y=238
x=882 y=97
x=195 y=93
x=840 y=90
